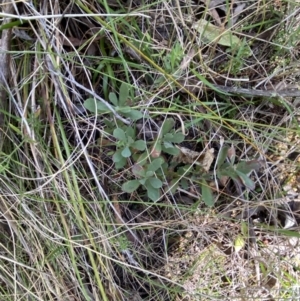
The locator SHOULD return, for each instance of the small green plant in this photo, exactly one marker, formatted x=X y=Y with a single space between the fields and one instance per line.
x=147 y=173
x=166 y=139
x=239 y=56
x=171 y=62
x=173 y=59
x=240 y=172
x=121 y=104
x=147 y=177
x=126 y=145
x=185 y=174
x=200 y=174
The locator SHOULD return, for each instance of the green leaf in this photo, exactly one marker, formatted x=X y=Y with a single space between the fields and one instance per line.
x=174 y=151
x=246 y=180
x=155 y=164
x=120 y=164
x=90 y=105
x=138 y=170
x=222 y=156
x=247 y=166
x=149 y=174
x=126 y=153
x=93 y=106
x=165 y=165
x=139 y=145
x=130 y=132
x=212 y=33
x=143 y=181
x=117 y=156
x=109 y=125
x=207 y=194
x=168 y=137
x=113 y=98
x=177 y=138
x=123 y=110
x=153 y=193
x=167 y=126
x=134 y=115
x=120 y=135
x=227 y=170
x=123 y=94
x=130 y=141
x=130 y=186
x=142 y=159
x=155 y=182
x=12 y=24
x=174 y=185
x=168 y=145
x=184 y=184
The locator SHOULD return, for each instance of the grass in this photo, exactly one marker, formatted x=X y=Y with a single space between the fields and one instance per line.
x=138 y=159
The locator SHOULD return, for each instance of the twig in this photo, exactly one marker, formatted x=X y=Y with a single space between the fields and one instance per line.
x=194 y=86
x=292 y=92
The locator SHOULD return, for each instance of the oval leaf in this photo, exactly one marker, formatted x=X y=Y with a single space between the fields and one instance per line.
x=153 y=194
x=130 y=186
x=207 y=194
x=134 y=115
x=138 y=170
x=93 y=106
x=227 y=170
x=113 y=98
x=246 y=180
x=212 y=33
x=173 y=185
x=155 y=164
x=142 y=159
x=126 y=152
x=120 y=134
x=130 y=132
x=149 y=174
x=139 y=145
x=123 y=110
x=117 y=156
x=177 y=138
x=123 y=94
x=171 y=150
x=167 y=126
x=155 y=183
x=222 y=156
x=168 y=145
x=168 y=136
x=120 y=164
x=247 y=166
